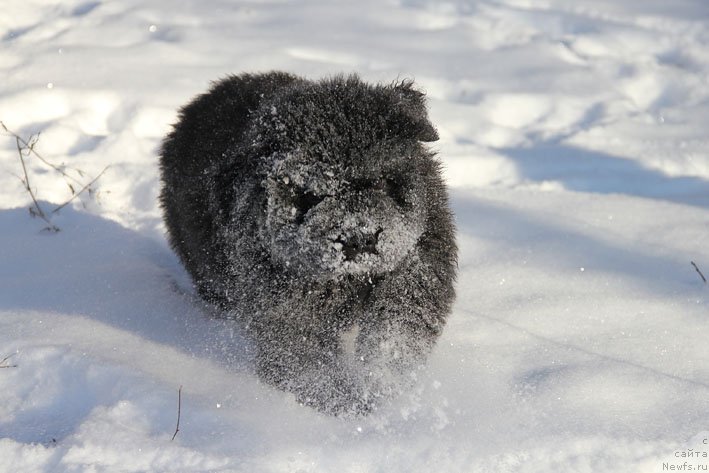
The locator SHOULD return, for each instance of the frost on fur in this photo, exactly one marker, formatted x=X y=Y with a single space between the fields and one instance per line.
x=309 y=212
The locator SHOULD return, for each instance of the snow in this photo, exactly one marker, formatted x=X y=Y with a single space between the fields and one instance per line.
x=574 y=140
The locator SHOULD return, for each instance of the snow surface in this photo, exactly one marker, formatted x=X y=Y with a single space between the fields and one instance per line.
x=575 y=143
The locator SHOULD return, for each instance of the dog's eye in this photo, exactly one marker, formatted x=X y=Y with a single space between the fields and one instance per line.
x=303 y=202
x=396 y=190
x=361 y=185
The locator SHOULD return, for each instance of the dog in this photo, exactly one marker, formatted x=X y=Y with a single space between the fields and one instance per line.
x=313 y=214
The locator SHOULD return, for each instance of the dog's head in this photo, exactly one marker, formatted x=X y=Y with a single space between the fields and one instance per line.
x=344 y=175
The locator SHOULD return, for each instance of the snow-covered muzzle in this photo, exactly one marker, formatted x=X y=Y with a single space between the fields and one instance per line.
x=320 y=224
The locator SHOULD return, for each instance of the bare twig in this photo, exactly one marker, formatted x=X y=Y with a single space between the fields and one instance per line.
x=27 y=148
x=179 y=412
x=76 y=194
x=3 y=362
x=26 y=180
x=699 y=271
x=29 y=145
x=36 y=210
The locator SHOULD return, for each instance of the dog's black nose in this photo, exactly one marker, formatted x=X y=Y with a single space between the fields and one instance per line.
x=360 y=244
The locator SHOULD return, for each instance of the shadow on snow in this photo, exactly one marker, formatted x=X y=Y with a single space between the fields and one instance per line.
x=584 y=170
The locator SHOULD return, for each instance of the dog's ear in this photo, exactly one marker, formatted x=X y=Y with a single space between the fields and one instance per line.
x=410 y=119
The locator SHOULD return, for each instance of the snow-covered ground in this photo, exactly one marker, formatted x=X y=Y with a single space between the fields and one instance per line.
x=574 y=136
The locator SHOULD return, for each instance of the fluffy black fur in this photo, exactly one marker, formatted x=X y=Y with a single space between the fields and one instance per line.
x=312 y=213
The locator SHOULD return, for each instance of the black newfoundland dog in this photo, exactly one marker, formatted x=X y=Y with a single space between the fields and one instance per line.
x=311 y=213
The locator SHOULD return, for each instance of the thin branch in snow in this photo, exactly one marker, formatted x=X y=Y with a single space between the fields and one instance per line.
x=699 y=271
x=179 y=412
x=3 y=362
x=27 y=148
x=87 y=186
x=35 y=210
x=29 y=145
